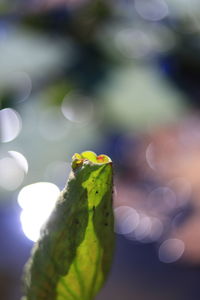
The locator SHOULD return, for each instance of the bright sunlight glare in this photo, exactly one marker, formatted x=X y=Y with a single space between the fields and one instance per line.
x=37 y=201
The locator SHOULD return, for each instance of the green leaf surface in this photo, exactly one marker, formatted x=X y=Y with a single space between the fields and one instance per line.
x=72 y=258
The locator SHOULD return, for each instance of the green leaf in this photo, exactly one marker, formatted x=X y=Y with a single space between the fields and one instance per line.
x=73 y=256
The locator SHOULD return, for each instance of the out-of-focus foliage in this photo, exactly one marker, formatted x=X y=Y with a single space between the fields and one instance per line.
x=121 y=76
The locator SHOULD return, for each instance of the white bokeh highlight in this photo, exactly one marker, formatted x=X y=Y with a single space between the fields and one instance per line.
x=77 y=109
x=20 y=84
x=10 y=124
x=126 y=219
x=171 y=250
x=152 y=10
x=11 y=174
x=162 y=199
x=37 y=201
x=20 y=159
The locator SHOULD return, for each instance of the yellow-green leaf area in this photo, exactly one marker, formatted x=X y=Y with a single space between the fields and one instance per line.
x=73 y=256
x=89 y=156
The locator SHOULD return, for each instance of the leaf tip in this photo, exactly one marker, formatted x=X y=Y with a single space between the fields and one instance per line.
x=91 y=157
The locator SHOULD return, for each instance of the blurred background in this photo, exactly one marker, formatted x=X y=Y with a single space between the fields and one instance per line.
x=116 y=77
